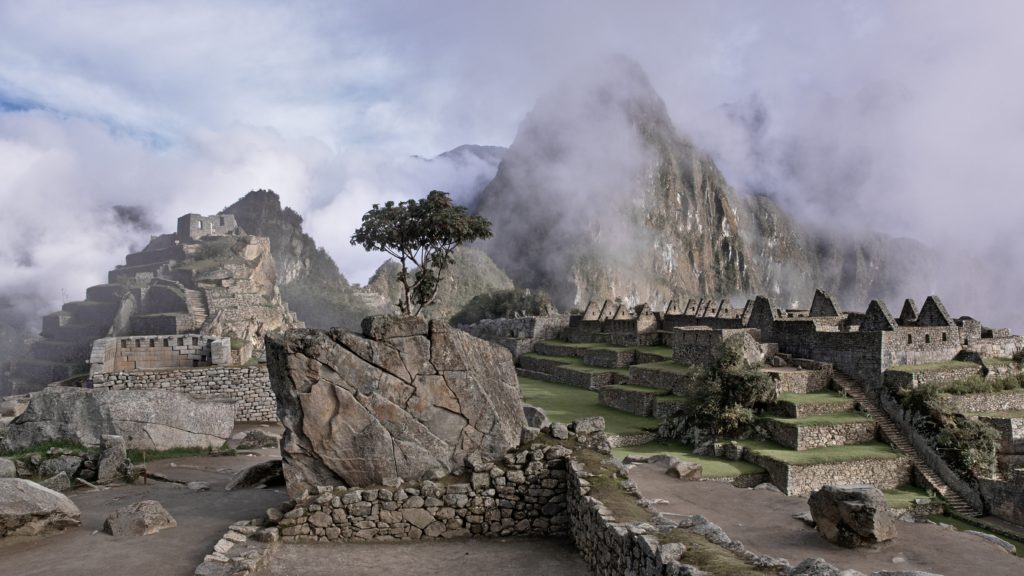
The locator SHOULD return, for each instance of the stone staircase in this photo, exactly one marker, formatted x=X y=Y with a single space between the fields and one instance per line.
x=197 y=307
x=900 y=441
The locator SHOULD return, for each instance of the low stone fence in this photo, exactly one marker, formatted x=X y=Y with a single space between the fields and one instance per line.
x=810 y=437
x=524 y=495
x=249 y=385
x=909 y=379
x=678 y=382
x=987 y=402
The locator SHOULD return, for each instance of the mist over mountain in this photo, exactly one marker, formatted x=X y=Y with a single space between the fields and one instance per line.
x=601 y=196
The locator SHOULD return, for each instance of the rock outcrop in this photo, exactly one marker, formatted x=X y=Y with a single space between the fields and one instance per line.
x=146 y=419
x=852 y=516
x=406 y=399
x=28 y=509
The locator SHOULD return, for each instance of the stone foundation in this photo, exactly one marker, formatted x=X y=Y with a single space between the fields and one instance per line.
x=249 y=385
x=799 y=381
x=608 y=358
x=629 y=399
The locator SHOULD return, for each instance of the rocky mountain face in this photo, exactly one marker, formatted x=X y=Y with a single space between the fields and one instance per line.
x=599 y=196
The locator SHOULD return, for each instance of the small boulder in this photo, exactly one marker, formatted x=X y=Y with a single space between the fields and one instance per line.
x=28 y=509
x=8 y=469
x=58 y=482
x=263 y=474
x=258 y=439
x=66 y=463
x=852 y=516
x=814 y=567
x=663 y=461
x=559 y=431
x=535 y=417
x=685 y=470
x=588 y=425
x=113 y=459
x=139 y=519
x=198 y=486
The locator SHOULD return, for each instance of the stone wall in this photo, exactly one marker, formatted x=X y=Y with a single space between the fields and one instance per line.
x=798 y=380
x=909 y=378
x=523 y=495
x=157 y=352
x=1004 y=499
x=608 y=358
x=636 y=402
x=987 y=402
x=800 y=480
x=1011 y=433
x=810 y=437
x=249 y=385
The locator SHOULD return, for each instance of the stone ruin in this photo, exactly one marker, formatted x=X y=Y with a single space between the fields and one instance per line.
x=208 y=279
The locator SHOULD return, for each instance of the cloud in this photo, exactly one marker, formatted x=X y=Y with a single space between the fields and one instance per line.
x=899 y=117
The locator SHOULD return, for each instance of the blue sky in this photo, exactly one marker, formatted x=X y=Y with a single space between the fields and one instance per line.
x=904 y=117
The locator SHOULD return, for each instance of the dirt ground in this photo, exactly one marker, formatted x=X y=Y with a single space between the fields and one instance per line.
x=493 y=557
x=202 y=518
x=763 y=521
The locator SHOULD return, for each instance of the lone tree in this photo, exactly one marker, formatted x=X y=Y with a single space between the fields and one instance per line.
x=421 y=234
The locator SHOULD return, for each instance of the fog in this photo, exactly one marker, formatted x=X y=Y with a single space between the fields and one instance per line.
x=898 y=117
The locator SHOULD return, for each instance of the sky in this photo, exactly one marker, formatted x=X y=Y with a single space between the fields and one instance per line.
x=905 y=118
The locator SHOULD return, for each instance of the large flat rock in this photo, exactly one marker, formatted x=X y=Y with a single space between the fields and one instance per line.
x=406 y=400
x=146 y=419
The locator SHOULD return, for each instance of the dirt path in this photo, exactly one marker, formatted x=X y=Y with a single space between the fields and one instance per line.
x=490 y=556
x=763 y=521
x=202 y=518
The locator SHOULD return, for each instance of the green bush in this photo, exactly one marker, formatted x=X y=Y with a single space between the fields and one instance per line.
x=969 y=446
x=503 y=304
x=1018 y=357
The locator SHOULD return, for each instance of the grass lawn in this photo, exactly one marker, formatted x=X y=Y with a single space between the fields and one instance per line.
x=867 y=451
x=713 y=467
x=567 y=403
x=670 y=366
x=904 y=496
x=848 y=417
x=936 y=367
x=630 y=388
x=663 y=351
x=814 y=398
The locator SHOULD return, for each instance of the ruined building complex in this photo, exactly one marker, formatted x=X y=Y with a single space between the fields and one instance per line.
x=826 y=363
x=188 y=311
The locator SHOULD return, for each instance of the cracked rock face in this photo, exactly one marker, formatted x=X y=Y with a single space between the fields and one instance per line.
x=146 y=419
x=405 y=400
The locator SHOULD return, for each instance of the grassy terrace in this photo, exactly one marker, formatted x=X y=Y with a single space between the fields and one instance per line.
x=577 y=364
x=813 y=398
x=643 y=389
x=713 y=467
x=669 y=366
x=567 y=403
x=663 y=351
x=904 y=496
x=936 y=367
x=868 y=451
x=849 y=417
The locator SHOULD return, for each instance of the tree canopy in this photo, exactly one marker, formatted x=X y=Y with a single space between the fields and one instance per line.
x=421 y=235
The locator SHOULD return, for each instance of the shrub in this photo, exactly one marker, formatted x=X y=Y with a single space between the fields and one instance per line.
x=969 y=446
x=1018 y=357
